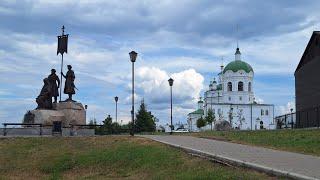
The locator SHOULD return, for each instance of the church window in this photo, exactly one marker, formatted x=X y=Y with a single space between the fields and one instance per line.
x=229 y=98
x=240 y=86
x=229 y=86
x=267 y=112
x=249 y=87
x=262 y=112
x=240 y=98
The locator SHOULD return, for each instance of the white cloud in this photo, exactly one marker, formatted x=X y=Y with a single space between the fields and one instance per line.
x=153 y=84
x=285 y=109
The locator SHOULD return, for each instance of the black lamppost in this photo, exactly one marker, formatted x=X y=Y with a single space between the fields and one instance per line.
x=171 y=83
x=133 y=56
x=291 y=118
x=116 y=99
x=86 y=107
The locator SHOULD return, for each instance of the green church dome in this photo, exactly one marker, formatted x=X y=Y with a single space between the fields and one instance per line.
x=238 y=65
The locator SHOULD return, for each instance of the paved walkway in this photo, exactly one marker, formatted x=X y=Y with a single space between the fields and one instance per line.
x=279 y=162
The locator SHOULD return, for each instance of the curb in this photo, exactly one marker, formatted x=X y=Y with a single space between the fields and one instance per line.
x=241 y=163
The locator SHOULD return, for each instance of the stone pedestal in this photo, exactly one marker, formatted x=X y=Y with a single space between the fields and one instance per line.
x=46 y=117
x=74 y=112
x=68 y=112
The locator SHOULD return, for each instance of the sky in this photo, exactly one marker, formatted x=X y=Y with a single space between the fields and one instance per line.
x=184 y=39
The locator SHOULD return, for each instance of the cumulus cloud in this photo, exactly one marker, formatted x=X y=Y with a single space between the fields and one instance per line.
x=153 y=83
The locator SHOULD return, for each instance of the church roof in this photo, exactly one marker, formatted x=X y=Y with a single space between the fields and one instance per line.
x=199 y=111
x=219 y=87
x=238 y=65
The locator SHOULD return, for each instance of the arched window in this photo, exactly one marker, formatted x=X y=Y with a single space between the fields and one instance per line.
x=229 y=86
x=267 y=112
x=249 y=87
x=240 y=86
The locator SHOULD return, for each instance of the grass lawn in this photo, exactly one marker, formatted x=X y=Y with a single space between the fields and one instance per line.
x=106 y=157
x=305 y=141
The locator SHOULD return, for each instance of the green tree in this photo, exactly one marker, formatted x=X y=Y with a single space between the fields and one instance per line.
x=107 y=126
x=144 y=120
x=201 y=122
x=210 y=118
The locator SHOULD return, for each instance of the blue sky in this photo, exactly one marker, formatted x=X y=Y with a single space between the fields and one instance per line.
x=181 y=39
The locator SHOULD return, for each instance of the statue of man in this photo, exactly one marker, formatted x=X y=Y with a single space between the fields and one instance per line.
x=69 y=84
x=54 y=79
x=44 y=100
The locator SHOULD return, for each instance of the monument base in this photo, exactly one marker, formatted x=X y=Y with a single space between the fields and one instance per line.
x=67 y=112
x=74 y=112
x=46 y=117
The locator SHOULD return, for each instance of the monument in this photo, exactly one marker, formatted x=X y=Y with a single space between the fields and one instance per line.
x=68 y=112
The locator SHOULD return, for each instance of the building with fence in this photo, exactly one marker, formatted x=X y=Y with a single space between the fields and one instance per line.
x=286 y=121
x=307 y=84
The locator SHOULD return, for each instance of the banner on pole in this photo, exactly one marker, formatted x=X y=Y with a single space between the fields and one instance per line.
x=62 y=44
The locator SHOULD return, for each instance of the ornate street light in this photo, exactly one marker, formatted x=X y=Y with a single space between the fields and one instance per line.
x=133 y=56
x=116 y=100
x=171 y=84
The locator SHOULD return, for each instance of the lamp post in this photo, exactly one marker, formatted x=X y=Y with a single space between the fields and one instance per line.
x=133 y=56
x=86 y=107
x=170 y=84
x=291 y=118
x=116 y=99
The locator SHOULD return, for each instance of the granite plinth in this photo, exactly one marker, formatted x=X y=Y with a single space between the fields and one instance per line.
x=68 y=112
x=74 y=112
x=46 y=117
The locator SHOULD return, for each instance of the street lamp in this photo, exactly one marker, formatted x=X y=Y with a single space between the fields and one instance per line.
x=170 y=84
x=86 y=107
x=291 y=118
x=133 y=56
x=116 y=99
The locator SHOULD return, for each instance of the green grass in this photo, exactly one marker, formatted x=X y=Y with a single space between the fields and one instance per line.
x=106 y=157
x=305 y=141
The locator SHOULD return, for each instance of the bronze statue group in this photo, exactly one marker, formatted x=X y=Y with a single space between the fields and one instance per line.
x=51 y=86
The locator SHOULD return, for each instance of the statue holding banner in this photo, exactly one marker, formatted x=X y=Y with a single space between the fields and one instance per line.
x=69 y=87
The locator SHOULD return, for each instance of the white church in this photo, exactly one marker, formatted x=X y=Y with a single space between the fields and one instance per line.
x=231 y=98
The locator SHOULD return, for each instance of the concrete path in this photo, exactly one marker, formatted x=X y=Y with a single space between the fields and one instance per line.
x=289 y=164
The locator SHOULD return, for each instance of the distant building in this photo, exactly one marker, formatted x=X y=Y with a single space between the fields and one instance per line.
x=307 y=82
x=231 y=98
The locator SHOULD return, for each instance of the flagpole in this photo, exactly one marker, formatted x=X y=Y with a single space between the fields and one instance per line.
x=61 y=76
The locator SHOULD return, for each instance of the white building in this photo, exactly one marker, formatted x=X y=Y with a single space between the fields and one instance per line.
x=232 y=99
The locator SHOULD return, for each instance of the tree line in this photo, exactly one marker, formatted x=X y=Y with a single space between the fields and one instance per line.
x=144 y=122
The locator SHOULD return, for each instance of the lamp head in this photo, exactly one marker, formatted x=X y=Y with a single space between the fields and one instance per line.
x=133 y=56
x=170 y=81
